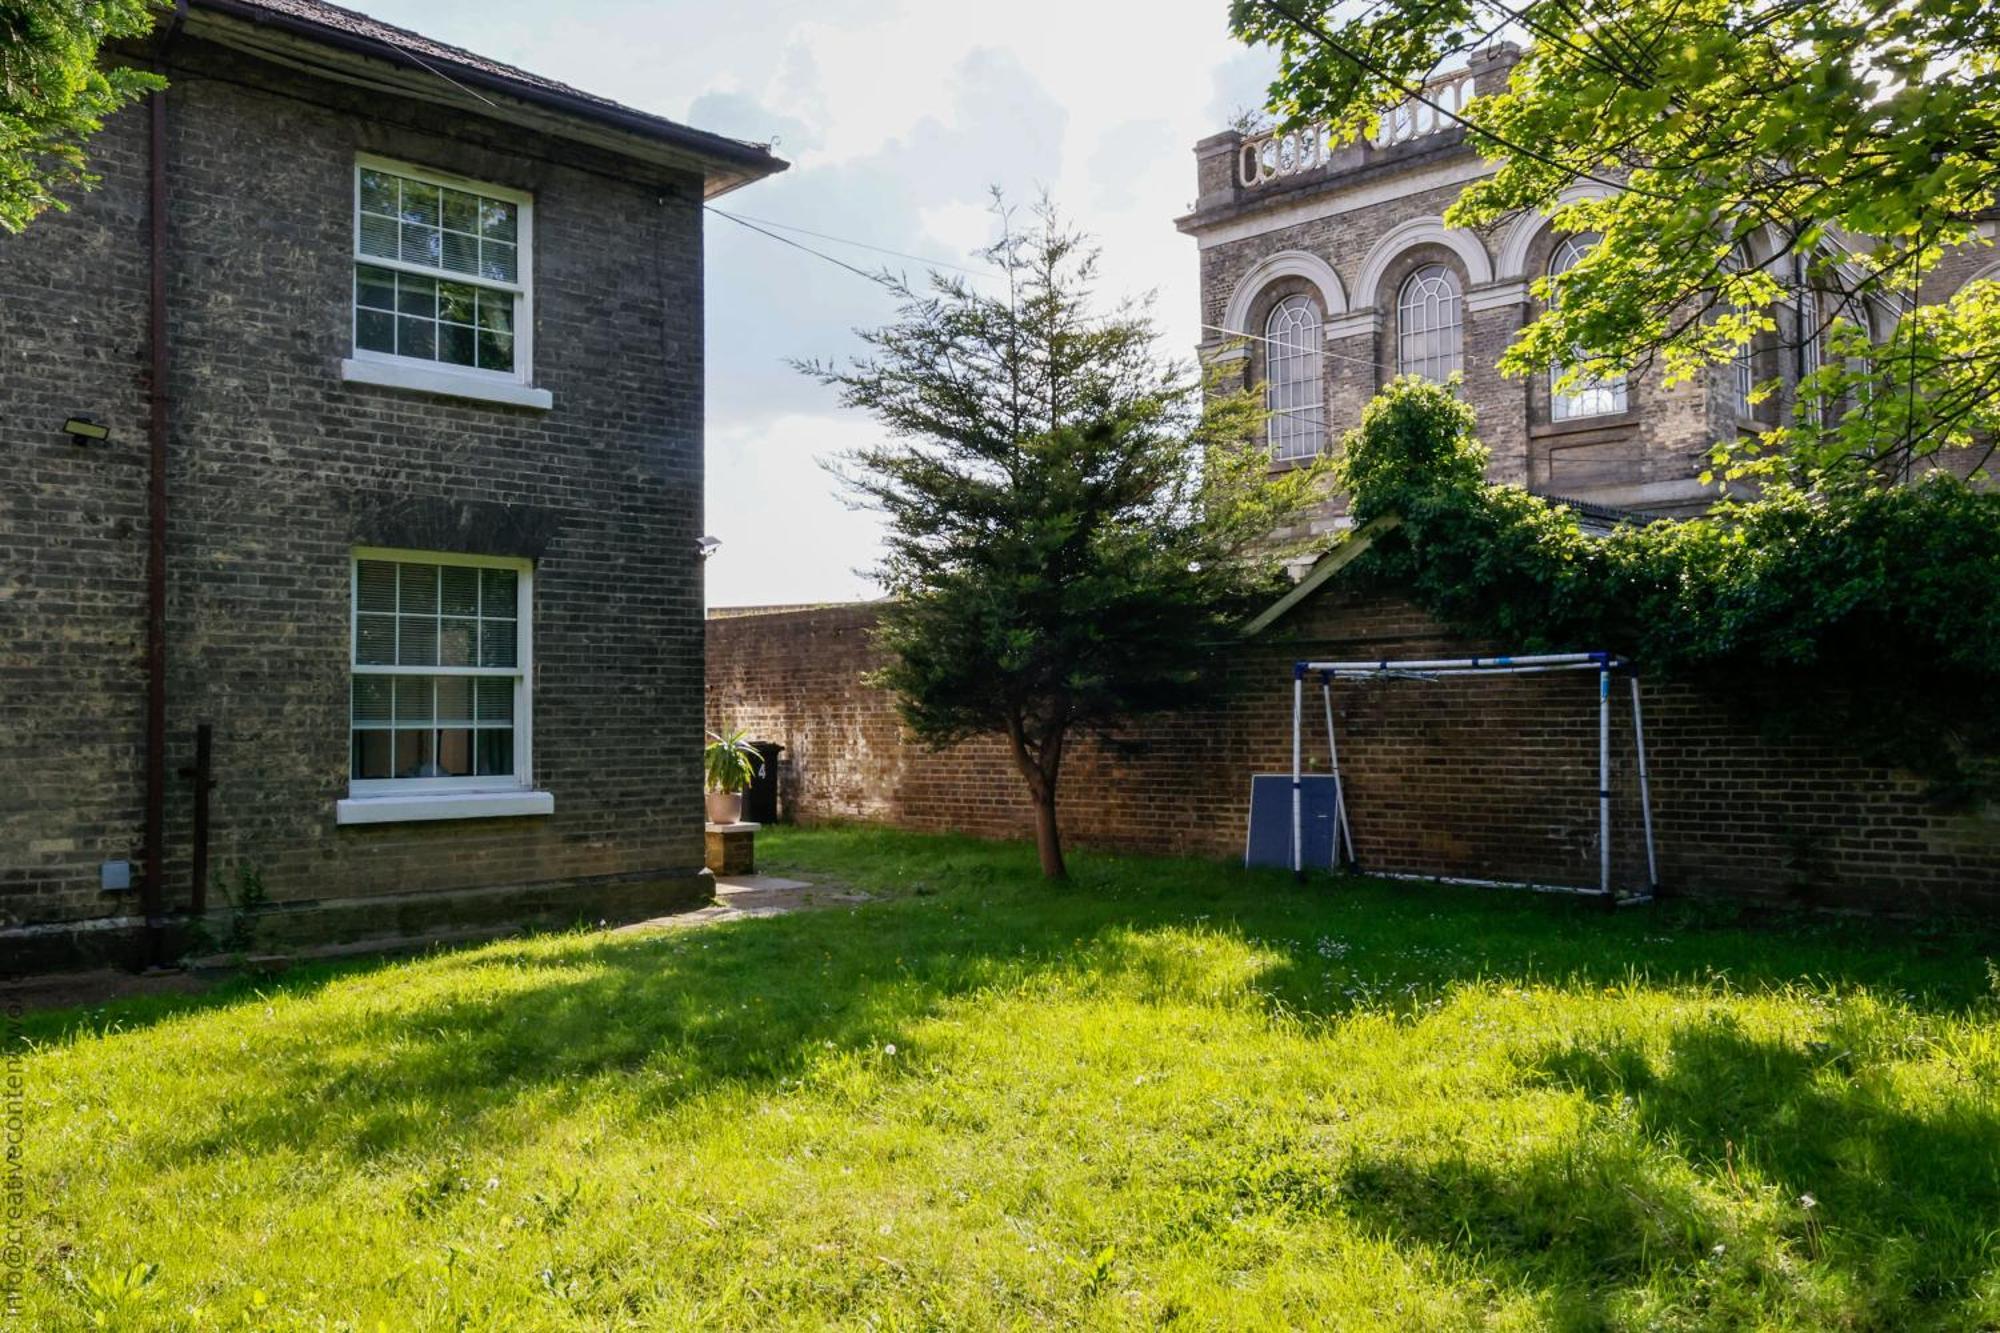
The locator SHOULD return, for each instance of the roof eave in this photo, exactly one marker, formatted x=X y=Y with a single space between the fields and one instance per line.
x=725 y=164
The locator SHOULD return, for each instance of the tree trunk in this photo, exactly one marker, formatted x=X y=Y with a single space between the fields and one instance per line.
x=1042 y=767
x=1048 y=839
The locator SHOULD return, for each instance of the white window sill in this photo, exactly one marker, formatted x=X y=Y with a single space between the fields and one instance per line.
x=432 y=379
x=442 y=805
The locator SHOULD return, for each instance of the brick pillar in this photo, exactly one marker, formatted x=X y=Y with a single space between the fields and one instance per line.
x=1493 y=315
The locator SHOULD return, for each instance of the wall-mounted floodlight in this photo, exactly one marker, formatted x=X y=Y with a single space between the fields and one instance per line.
x=708 y=546
x=83 y=430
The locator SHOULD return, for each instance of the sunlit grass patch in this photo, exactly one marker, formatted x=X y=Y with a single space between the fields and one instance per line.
x=1169 y=1093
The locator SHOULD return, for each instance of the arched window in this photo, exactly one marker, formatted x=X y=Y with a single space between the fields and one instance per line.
x=1430 y=324
x=1811 y=334
x=1591 y=397
x=1295 y=396
x=1743 y=366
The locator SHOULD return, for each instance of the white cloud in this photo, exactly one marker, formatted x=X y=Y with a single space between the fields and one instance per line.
x=898 y=115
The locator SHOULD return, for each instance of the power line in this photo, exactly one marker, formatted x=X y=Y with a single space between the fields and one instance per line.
x=746 y=218
x=880 y=279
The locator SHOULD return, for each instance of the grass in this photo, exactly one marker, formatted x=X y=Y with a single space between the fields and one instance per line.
x=1169 y=1094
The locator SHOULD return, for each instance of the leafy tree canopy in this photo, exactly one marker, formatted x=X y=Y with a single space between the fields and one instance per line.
x=54 y=95
x=1869 y=610
x=1074 y=527
x=1861 y=136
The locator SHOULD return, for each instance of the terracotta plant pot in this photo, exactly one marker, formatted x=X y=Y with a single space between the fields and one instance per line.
x=725 y=807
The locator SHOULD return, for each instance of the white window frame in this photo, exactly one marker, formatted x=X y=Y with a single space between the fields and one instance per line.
x=1595 y=396
x=1442 y=342
x=410 y=372
x=374 y=800
x=1295 y=389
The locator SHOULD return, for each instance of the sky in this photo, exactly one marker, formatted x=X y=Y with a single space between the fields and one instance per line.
x=898 y=119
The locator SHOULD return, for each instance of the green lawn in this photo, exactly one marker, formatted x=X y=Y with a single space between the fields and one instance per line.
x=1168 y=1094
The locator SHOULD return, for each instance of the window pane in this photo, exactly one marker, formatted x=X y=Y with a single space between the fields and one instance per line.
x=415 y=698
x=375 y=331
x=414 y=755
x=461 y=253
x=456 y=345
x=458 y=642
x=496 y=699
x=461 y=211
x=454 y=699
x=378 y=192
x=373 y=698
x=496 y=750
x=378 y=236
x=374 y=287
x=496 y=351
x=375 y=640
x=416 y=296
x=419 y=588
x=416 y=641
x=372 y=754
x=497 y=219
x=458 y=302
x=499 y=592
x=416 y=337
x=454 y=752
x=375 y=585
x=421 y=245
x=420 y=203
x=459 y=586
x=499 y=261
x=496 y=643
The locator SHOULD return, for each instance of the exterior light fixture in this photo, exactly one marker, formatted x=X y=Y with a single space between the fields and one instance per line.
x=708 y=546
x=83 y=430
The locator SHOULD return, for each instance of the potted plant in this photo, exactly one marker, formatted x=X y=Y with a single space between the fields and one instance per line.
x=730 y=764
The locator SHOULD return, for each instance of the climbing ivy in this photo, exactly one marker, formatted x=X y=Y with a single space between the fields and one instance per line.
x=1871 y=610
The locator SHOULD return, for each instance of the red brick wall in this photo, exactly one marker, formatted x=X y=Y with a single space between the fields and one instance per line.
x=1490 y=778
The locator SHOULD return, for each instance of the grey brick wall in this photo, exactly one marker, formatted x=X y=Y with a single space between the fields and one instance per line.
x=279 y=469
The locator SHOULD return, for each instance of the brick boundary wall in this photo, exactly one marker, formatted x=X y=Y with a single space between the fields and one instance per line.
x=1490 y=779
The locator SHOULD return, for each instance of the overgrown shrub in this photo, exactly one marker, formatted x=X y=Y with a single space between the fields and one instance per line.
x=1865 y=609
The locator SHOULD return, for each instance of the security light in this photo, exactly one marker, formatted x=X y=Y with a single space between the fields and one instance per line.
x=708 y=546
x=85 y=431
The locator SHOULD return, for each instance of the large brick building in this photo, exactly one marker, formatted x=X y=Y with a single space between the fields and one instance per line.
x=1324 y=272
x=399 y=352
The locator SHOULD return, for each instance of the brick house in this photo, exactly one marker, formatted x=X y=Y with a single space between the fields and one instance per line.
x=411 y=342
x=1324 y=272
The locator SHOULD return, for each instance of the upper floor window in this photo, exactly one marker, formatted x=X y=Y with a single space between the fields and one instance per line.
x=1295 y=397
x=1430 y=324
x=441 y=272
x=1591 y=397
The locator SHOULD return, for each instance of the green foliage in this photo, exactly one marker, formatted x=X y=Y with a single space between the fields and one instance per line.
x=1858 y=141
x=1074 y=528
x=1184 y=1096
x=1870 y=610
x=729 y=762
x=54 y=95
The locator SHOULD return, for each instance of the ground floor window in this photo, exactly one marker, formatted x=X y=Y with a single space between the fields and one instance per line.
x=439 y=694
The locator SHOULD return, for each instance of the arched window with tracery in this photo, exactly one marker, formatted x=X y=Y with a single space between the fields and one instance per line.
x=1295 y=396
x=1588 y=397
x=1430 y=324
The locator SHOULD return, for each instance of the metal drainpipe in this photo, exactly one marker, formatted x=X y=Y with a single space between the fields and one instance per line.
x=152 y=896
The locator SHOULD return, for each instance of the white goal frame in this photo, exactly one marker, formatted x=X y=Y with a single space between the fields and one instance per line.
x=1603 y=663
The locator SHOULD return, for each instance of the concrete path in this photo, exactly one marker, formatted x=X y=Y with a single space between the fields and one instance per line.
x=741 y=896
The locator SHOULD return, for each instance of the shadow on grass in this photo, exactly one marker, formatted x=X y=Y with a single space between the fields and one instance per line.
x=426 y=1058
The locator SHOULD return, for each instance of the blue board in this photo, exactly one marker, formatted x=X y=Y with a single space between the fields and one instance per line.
x=1270 y=840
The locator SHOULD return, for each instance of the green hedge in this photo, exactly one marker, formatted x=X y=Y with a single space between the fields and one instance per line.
x=1865 y=609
